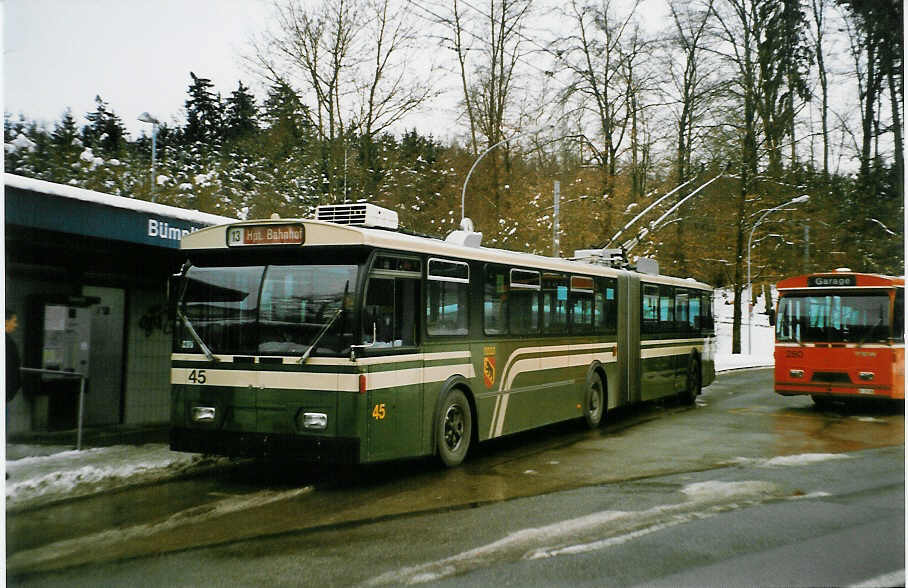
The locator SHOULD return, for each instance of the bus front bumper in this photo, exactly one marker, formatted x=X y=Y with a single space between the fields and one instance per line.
x=340 y=450
x=789 y=389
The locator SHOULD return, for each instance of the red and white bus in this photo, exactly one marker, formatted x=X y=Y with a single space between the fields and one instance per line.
x=841 y=335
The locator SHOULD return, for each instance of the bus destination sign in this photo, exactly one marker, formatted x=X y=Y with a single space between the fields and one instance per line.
x=266 y=235
x=831 y=281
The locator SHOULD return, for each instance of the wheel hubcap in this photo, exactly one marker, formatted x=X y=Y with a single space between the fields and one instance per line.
x=454 y=427
x=595 y=400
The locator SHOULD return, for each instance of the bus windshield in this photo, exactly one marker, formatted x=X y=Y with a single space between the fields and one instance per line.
x=832 y=318
x=268 y=310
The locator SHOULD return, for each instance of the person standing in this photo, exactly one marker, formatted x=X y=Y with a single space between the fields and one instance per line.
x=13 y=361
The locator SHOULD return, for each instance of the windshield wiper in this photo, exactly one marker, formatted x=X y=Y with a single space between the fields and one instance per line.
x=185 y=320
x=327 y=326
x=195 y=336
x=321 y=334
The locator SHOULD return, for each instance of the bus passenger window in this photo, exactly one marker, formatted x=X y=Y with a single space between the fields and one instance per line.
x=446 y=310
x=447 y=302
x=523 y=307
x=694 y=322
x=666 y=310
x=581 y=304
x=554 y=303
x=606 y=312
x=379 y=310
x=682 y=309
x=706 y=313
x=389 y=306
x=650 y=312
x=898 y=316
x=495 y=301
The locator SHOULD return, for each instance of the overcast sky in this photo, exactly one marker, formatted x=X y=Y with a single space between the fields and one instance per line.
x=136 y=54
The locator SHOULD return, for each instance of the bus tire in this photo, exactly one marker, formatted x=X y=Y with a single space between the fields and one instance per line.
x=453 y=428
x=694 y=383
x=594 y=401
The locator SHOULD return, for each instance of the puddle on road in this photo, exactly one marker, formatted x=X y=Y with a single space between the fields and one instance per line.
x=808 y=430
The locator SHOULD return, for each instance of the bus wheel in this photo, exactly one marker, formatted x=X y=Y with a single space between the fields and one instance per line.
x=594 y=401
x=689 y=396
x=454 y=428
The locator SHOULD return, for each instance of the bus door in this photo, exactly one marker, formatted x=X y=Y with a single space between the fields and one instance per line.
x=391 y=360
x=629 y=337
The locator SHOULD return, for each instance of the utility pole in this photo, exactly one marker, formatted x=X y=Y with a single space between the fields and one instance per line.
x=556 y=245
x=806 y=249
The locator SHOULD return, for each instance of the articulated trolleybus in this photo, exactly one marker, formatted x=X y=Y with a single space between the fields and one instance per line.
x=345 y=340
x=841 y=335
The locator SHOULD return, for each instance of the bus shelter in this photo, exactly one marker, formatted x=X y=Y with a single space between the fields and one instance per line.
x=86 y=273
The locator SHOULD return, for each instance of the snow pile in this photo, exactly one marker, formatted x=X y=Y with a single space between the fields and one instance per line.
x=714 y=491
x=788 y=460
x=589 y=533
x=37 y=556
x=47 y=478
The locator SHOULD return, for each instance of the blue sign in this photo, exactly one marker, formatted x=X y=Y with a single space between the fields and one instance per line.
x=92 y=219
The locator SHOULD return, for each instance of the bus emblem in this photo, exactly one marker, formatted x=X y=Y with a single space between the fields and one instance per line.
x=488 y=370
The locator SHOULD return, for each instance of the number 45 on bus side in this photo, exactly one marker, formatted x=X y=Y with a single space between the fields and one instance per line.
x=379 y=412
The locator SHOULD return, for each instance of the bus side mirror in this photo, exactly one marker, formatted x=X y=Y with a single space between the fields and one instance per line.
x=353 y=348
x=772 y=317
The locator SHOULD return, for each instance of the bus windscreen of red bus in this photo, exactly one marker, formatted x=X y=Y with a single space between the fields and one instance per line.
x=834 y=318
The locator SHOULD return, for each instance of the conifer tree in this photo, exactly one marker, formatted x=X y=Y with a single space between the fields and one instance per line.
x=105 y=130
x=66 y=147
x=241 y=114
x=204 y=112
x=283 y=110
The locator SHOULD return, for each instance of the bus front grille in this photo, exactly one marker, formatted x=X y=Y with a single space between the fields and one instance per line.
x=831 y=377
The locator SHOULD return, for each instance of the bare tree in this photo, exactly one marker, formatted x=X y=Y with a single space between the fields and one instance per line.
x=350 y=59
x=818 y=13
x=876 y=48
x=388 y=92
x=489 y=43
x=739 y=26
x=605 y=83
x=692 y=93
x=762 y=42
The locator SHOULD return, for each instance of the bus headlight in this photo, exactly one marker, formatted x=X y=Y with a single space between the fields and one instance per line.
x=203 y=414
x=796 y=373
x=313 y=421
x=866 y=376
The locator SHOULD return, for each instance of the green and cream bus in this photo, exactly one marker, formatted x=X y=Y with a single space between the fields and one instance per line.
x=345 y=340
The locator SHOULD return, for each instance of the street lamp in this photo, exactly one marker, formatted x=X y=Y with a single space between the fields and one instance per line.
x=463 y=193
x=765 y=211
x=147 y=118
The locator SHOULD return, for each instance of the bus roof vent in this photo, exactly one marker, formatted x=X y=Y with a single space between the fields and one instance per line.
x=360 y=214
x=466 y=236
x=607 y=257
x=843 y=269
x=648 y=265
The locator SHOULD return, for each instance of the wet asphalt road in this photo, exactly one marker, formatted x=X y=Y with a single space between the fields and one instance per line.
x=662 y=493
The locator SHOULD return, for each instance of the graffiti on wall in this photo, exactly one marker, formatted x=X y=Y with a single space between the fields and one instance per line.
x=156 y=318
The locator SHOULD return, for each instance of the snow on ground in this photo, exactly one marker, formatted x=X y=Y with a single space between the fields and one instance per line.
x=70 y=473
x=589 y=533
x=789 y=460
x=42 y=474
